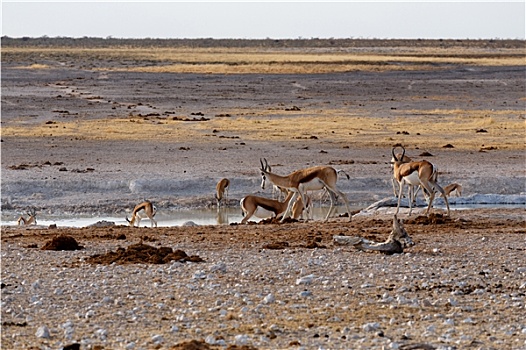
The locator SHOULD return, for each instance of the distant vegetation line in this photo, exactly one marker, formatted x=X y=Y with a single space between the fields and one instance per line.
x=87 y=42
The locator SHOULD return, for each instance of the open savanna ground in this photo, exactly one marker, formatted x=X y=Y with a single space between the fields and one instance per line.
x=423 y=129
x=265 y=59
x=95 y=126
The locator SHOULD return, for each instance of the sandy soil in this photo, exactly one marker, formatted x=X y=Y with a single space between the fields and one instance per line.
x=79 y=140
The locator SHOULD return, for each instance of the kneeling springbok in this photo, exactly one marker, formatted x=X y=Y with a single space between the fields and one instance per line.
x=141 y=211
x=417 y=174
x=301 y=181
x=31 y=220
x=262 y=207
x=222 y=190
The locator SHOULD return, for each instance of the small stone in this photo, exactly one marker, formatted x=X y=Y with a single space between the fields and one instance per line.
x=158 y=339
x=305 y=279
x=371 y=327
x=219 y=267
x=210 y=339
x=102 y=333
x=269 y=299
x=42 y=332
x=426 y=303
x=241 y=339
x=199 y=275
x=305 y=294
x=449 y=322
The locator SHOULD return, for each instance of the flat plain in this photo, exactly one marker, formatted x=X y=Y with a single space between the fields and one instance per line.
x=92 y=128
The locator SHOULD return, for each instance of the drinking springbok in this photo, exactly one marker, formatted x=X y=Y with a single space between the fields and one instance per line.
x=141 y=211
x=222 y=190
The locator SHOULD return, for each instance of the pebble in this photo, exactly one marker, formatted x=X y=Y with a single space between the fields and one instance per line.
x=305 y=279
x=269 y=299
x=231 y=289
x=42 y=332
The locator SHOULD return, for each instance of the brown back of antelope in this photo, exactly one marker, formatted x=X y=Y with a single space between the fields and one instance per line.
x=454 y=187
x=250 y=204
x=427 y=176
x=309 y=179
x=149 y=210
x=221 y=190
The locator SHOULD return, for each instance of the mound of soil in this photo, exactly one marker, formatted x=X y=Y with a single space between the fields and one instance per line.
x=62 y=242
x=432 y=219
x=192 y=345
x=201 y=345
x=277 y=221
x=143 y=254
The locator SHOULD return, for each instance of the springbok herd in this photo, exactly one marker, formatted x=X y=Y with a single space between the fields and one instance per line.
x=415 y=174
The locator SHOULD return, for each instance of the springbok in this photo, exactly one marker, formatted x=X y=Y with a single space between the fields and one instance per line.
x=454 y=187
x=31 y=220
x=222 y=190
x=263 y=207
x=300 y=181
x=412 y=191
x=297 y=208
x=417 y=174
x=141 y=211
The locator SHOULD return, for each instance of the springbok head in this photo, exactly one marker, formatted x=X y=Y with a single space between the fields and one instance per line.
x=265 y=169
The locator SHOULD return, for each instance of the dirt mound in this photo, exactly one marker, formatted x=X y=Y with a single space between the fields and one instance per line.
x=201 y=345
x=62 y=242
x=192 y=345
x=277 y=221
x=143 y=254
x=432 y=219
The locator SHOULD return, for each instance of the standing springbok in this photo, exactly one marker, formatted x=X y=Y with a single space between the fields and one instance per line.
x=263 y=207
x=417 y=174
x=300 y=181
x=412 y=190
x=142 y=210
x=222 y=190
x=31 y=220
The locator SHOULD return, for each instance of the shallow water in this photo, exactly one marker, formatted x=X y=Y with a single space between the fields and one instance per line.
x=210 y=216
x=164 y=218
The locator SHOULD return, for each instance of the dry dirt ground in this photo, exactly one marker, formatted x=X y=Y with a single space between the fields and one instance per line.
x=78 y=137
x=271 y=286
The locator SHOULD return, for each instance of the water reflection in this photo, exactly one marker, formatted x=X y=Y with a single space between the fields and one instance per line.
x=212 y=216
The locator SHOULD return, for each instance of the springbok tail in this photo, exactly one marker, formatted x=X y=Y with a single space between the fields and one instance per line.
x=343 y=171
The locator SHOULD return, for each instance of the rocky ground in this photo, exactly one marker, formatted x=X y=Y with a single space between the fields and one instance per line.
x=77 y=139
x=271 y=286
